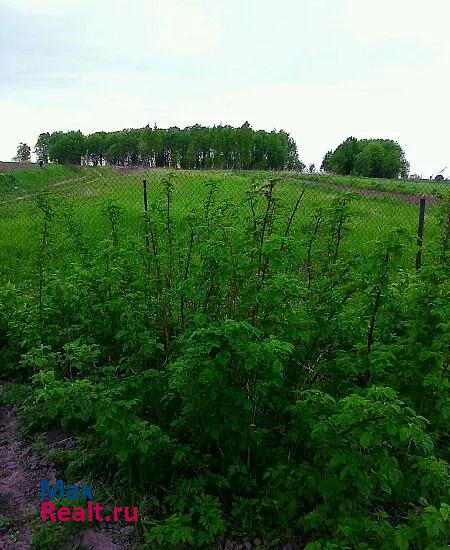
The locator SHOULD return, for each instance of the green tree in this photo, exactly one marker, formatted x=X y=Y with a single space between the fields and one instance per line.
x=327 y=162
x=371 y=161
x=23 y=153
x=96 y=148
x=67 y=148
x=375 y=158
x=42 y=147
x=342 y=160
x=194 y=147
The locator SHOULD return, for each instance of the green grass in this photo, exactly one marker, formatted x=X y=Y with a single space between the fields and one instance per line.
x=84 y=200
x=16 y=183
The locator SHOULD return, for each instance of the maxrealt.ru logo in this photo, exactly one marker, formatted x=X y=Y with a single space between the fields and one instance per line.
x=91 y=512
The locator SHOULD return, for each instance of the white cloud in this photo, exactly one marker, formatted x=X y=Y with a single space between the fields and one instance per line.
x=145 y=28
x=176 y=27
x=320 y=69
x=320 y=117
x=184 y=28
x=389 y=20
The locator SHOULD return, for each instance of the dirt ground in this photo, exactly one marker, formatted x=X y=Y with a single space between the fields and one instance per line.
x=21 y=472
x=412 y=199
x=8 y=166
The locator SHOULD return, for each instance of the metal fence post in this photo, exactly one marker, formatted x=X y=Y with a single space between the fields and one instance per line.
x=420 y=233
x=145 y=197
x=147 y=240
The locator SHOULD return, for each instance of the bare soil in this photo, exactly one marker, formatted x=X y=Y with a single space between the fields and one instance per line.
x=21 y=472
x=412 y=199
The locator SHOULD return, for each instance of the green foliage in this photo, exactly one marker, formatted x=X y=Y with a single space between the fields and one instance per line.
x=42 y=147
x=5 y=523
x=374 y=158
x=194 y=147
x=23 y=153
x=56 y=535
x=7 y=183
x=252 y=382
x=66 y=148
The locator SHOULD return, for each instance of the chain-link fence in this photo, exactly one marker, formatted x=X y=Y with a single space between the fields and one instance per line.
x=71 y=213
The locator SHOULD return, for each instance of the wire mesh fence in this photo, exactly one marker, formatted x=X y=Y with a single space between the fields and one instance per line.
x=76 y=211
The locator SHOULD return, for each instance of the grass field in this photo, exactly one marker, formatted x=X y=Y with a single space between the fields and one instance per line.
x=20 y=183
x=375 y=207
x=404 y=187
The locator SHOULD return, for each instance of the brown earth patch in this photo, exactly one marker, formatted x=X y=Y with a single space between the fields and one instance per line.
x=412 y=199
x=21 y=471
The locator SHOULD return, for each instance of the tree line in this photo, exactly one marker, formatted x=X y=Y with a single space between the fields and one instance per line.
x=194 y=147
x=374 y=158
x=219 y=147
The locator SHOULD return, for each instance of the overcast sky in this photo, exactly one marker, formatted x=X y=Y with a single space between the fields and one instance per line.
x=320 y=69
